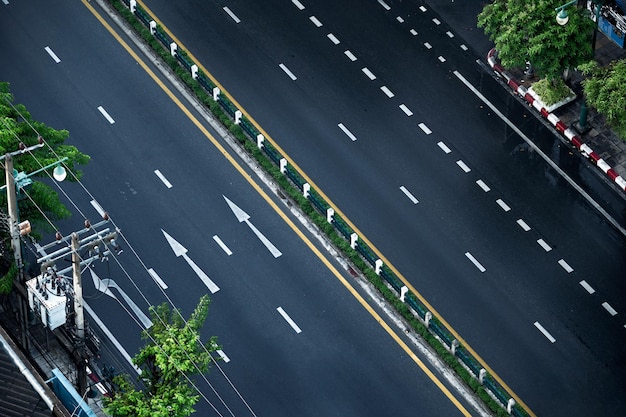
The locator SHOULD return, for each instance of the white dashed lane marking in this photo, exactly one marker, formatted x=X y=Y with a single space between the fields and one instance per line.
x=463 y=47
x=347 y=132
x=387 y=91
x=385 y=5
x=544 y=245
x=333 y=39
x=409 y=195
x=427 y=45
x=441 y=59
x=484 y=186
x=223 y=356
x=157 y=279
x=523 y=225
x=288 y=72
x=406 y=110
x=475 y=262
x=315 y=21
x=608 y=308
x=545 y=332
x=231 y=14
x=222 y=245
x=504 y=206
x=423 y=9
x=444 y=147
x=162 y=178
x=298 y=4
x=566 y=266
x=350 y=55
x=450 y=34
x=369 y=73
x=436 y=21
x=288 y=319
x=400 y=19
x=463 y=166
x=587 y=287
x=51 y=53
x=413 y=32
x=425 y=128
x=106 y=114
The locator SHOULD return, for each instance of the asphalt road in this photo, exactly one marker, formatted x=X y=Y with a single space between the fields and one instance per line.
x=549 y=257
x=298 y=342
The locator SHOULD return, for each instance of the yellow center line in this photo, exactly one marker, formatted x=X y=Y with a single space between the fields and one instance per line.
x=279 y=211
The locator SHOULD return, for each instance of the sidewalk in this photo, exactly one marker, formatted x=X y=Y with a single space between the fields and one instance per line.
x=600 y=144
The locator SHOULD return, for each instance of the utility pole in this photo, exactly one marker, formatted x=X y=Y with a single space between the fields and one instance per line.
x=15 y=242
x=79 y=318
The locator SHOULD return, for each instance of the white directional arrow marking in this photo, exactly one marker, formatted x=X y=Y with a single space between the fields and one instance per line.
x=242 y=216
x=104 y=285
x=180 y=250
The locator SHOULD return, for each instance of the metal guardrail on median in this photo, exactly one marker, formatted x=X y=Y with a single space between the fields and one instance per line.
x=434 y=326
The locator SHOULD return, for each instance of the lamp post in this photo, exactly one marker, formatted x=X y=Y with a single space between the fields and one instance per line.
x=562 y=17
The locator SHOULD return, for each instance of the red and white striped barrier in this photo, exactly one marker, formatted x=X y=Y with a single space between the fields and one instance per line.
x=568 y=132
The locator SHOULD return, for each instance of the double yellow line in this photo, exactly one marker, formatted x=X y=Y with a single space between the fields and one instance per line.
x=290 y=223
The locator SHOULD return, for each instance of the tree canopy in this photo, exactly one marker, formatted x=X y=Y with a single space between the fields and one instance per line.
x=527 y=31
x=605 y=89
x=172 y=355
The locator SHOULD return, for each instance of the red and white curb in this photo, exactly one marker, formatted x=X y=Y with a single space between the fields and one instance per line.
x=568 y=132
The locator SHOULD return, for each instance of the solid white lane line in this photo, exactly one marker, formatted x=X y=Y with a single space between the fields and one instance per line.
x=225 y=358
x=298 y=4
x=157 y=278
x=441 y=59
x=484 y=186
x=369 y=73
x=347 y=132
x=315 y=21
x=586 y=286
x=545 y=332
x=400 y=19
x=385 y=5
x=566 y=266
x=287 y=71
x=350 y=55
x=436 y=21
x=51 y=53
x=463 y=166
x=231 y=14
x=413 y=32
x=106 y=115
x=444 y=147
x=450 y=34
x=504 y=206
x=463 y=47
x=523 y=225
x=408 y=194
x=406 y=110
x=427 y=45
x=608 y=308
x=333 y=39
x=289 y=320
x=162 y=178
x=222 y=245
x=475 y=262
x=98 y=207
x=387 y=91
x=425 y=128
x=544 y=245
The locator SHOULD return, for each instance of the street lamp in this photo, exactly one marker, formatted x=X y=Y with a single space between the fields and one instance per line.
x=562 y=17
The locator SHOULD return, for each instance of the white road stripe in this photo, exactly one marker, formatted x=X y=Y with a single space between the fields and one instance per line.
x=385 y=5
x=288 y=72
x=545 y=332
x=425 y=128
x=333 y=39
x=586 y=286
x=450 y=34
x=484 y=186
x=427 y=45
x=315 y=21
x=436 y=21
x=475 y=262
x=347 y=132
x=423 y=9
x=369 y=73
x=162 y=178
x=157 y=278
x=406 y=110
x=523 y=225
x=413 y=32
x=289 y=320
x=463 y=166
x=463 y=47
x=444 y=147
x=400 y=19
x=298 y=4
x=223 y=355
x=566 y=266
x=50 y=52
x=106 y=114
x=350 y=55
x=544 y=245
x=441 y=59
x=503 y=205
x=608 y=308
x=98 y=207
x=225 y=248
x=5 y=2
x=232 y=15
x=408 y=194
x=387 y=91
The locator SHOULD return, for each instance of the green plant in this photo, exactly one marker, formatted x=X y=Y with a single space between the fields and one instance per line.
x=551 y=91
